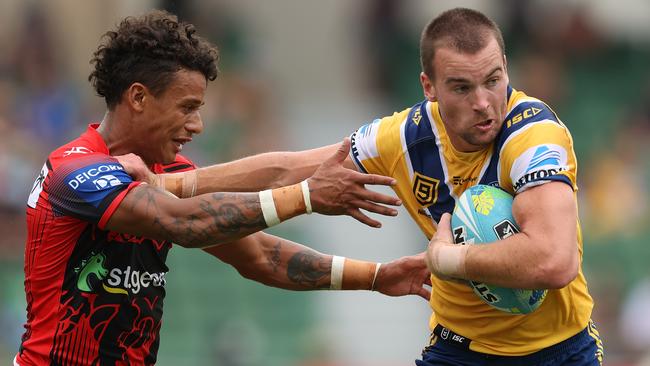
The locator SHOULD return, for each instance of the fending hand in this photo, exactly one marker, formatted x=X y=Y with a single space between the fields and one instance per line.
x=336 y=190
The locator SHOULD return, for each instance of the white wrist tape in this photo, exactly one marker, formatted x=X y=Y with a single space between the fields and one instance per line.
x=372 y=287
x=268 y=208
x=305 y=195
x=449 y=260
x=336 y=276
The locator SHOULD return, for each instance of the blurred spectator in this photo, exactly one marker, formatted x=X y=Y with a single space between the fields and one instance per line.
x=634 y=320
x=46 y=105
x=390 y=53
x=618 y=179
x=240 y=106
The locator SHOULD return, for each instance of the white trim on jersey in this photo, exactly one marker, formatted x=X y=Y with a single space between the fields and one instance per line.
x=520 y=101
x=405 y=150
x=37 y=187
x=441 y=153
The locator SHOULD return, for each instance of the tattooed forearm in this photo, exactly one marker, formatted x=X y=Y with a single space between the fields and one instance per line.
x=232 y=212
x=207 y=219
x=223 y=215
x=309 y=268
x=274 y=256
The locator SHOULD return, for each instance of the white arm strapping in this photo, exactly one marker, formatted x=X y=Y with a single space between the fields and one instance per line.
x=268 y=208
x=305 y=195
x=336 y=276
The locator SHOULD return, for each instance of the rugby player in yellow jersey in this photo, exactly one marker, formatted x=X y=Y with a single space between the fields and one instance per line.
x=472 y=128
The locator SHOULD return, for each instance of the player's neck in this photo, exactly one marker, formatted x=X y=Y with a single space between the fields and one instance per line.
x=115 y=131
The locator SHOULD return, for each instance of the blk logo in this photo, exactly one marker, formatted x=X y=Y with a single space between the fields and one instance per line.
x=505 y=229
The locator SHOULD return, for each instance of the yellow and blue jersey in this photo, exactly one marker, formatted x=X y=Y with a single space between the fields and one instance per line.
x=532 y=148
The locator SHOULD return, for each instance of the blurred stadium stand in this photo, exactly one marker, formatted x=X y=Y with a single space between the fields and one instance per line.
x=303 y=74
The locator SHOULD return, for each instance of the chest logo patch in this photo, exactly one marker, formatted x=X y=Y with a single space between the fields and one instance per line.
x=425 y=189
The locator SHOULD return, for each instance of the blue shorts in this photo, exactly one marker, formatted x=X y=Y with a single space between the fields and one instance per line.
x=583 y=349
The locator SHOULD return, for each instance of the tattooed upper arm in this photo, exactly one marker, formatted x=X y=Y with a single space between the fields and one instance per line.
x=193 y=222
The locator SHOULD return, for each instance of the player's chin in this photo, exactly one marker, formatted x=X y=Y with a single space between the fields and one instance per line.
x=484 y=139
x=489 y=136
x=167 y=157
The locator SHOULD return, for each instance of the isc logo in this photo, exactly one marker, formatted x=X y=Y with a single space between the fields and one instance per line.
x=527 y=113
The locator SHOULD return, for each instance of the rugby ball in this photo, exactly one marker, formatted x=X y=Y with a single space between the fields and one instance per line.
x=483 y=214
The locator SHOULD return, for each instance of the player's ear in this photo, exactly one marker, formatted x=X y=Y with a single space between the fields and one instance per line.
x=136 y=96
x=427 y=87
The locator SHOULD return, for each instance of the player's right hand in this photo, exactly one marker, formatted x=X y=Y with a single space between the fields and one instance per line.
x=336 y=190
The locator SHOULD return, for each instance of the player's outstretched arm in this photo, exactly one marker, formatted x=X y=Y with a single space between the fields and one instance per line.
x=544 y=254
x=249 y=174
x=214 y=218
x=281 y=263
x=334 y=189
x=194 y=222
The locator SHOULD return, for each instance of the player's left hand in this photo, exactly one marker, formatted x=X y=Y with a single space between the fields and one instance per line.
x=404 y=276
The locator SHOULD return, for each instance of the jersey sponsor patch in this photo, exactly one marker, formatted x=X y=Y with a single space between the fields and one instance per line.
x=537 y=164
x=92 y=183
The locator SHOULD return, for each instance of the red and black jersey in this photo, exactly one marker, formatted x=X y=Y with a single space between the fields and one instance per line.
x=94 y=297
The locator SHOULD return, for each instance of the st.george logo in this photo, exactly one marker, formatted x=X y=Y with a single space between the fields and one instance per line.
x=91 y=273
x=425 y=189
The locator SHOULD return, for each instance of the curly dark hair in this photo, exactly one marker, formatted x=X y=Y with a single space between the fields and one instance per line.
x=149 y=49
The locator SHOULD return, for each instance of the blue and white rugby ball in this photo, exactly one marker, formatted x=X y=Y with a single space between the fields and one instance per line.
x=483 y=214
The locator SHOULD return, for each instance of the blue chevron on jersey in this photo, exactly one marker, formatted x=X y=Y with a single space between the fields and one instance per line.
x=425 y=161
x=418 y=126
x=491 y=175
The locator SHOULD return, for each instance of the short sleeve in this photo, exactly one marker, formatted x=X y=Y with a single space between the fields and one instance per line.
x=539 y=153
x=375 y=147
x=89 y=188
